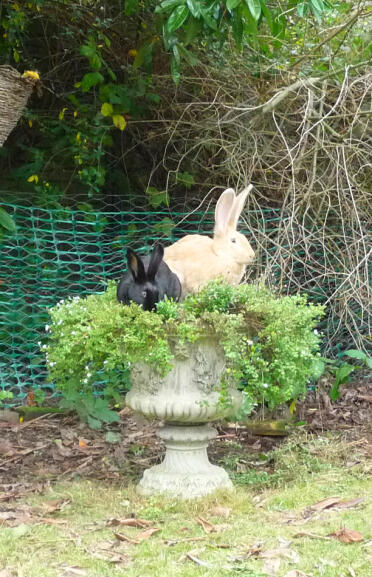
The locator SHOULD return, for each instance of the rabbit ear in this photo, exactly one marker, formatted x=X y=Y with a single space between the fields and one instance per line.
x=155 y=260
x=224 y=207
x=136 y=266
x=238 y=207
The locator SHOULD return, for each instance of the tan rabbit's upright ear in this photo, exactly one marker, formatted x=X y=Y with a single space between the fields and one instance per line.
x=238 y=207
x=224 y=207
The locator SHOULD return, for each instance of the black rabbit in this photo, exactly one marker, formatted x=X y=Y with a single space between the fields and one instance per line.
x=148 y=280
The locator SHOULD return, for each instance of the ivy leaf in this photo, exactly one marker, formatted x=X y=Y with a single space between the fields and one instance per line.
x=157 y=197
x=165 y=226
x=177 y=18
x=186 y=179
x=231 y=4
x=119 y=121
x=254 y=8
x=91 y=79
x=6 y=221
x=107 y=109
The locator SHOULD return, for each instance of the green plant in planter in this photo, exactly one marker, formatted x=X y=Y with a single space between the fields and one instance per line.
x=270 y=341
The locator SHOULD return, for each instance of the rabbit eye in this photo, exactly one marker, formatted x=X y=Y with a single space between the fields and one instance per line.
x=233 y=240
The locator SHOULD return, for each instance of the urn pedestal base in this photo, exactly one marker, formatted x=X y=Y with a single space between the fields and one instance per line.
x=186 y=471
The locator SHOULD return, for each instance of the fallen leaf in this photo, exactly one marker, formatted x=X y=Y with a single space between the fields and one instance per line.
x=82 y=444
x=198 y=561
x=349 y=504
x=148 y=533
x=347 y=536
x=139 y=537
x=107 y=551
x=52 y=506
x=209 y=527
x=325 y=504
x=131 y=522
x=220 y=512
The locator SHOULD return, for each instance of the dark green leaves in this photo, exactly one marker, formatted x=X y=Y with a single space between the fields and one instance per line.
x=195 y=7
x=177 y=18
x=254 y=8
x=6 y=221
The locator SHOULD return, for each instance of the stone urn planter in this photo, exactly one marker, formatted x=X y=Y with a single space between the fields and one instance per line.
x=187 y=399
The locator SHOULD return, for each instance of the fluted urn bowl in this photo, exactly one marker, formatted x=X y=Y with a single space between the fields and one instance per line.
x=186 y=399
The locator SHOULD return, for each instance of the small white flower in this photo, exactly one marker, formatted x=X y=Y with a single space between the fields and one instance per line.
x=59 y=322
x=39 y=343
x=316 y=332
x=250 y=343
x=62 y=334
x=85 y=381
x=73 y=332
x=89 y=375
x=85 y=309
x=89 y=328
x=265 y=385
x=128 y=364
x=47 y=327
x=105 y=362
x=44 y=347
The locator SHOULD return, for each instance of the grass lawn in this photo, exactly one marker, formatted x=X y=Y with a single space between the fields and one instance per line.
x=264 y=528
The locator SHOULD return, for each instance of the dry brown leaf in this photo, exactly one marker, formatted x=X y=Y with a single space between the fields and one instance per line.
x=349 y=504
x=325 y=504
x=122 y=537
x=53 y=506
x=130 y=522
x=148 y=533
x=139 y=537
x=220 y=512
x=347 y=536
x=280 y=553
x=209 y=527
x=83 y=444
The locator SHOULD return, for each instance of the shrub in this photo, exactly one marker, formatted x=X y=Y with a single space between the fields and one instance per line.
x=270 y=341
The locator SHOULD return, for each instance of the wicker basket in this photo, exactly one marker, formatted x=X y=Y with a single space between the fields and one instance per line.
x=15 y=90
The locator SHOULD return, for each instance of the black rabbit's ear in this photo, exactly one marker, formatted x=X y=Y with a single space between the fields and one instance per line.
x=136 y=266
x=155 y=260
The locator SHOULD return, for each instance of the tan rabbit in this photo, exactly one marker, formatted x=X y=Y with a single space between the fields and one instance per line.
x=197 y=259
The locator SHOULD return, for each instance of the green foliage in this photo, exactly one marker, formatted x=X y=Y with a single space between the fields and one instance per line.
x=269 y=341
x=340 y=369
x=99 y=65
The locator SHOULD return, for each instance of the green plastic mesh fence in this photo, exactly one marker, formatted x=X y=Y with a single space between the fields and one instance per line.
x=56 y=253
x=59 y=253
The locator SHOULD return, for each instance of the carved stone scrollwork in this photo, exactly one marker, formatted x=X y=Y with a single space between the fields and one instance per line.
x=186 y=399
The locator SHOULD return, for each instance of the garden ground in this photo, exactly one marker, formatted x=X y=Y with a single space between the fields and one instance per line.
x=302 y=505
